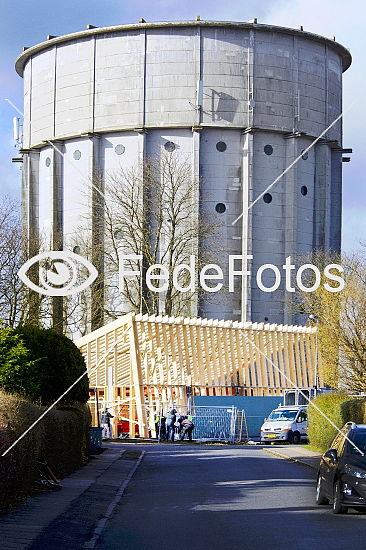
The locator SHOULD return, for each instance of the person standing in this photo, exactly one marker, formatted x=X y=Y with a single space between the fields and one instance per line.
x=169 y=424
x=177 y=426
x=106 y=421
x=160 y=429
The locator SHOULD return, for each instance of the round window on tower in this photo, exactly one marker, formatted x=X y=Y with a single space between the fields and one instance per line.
x=268 y=149
x=77 y=154
x=119 y=149
x=48 y=162
x=221 y=146
x=169 y=146
x=267 y=198
x=220 y=208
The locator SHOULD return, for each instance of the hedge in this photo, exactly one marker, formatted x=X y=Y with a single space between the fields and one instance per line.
x=17 y=468
x=61 y=439
x=340 y=408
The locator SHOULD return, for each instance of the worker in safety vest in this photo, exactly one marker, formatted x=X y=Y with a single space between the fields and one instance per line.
x=187 y=427
x=160 y=427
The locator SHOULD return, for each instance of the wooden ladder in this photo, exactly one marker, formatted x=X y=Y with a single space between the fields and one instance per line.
x=243 y=423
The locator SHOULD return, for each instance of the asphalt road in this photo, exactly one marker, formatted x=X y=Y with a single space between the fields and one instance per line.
x=225 y=498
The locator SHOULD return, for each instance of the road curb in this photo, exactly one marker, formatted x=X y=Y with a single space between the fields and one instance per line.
x=101 y=523
x=291 y=459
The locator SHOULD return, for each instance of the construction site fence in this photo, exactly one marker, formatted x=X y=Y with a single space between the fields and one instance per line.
x=211 y=423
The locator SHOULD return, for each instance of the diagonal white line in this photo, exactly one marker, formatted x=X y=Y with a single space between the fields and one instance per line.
x=305 y=396
x=43 y=414
x=295 y=161
x=102 y=358
x=66 y=392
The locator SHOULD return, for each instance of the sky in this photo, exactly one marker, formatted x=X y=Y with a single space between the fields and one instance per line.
x=28 y=22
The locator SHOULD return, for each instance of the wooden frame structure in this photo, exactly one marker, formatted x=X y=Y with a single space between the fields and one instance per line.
x=141 y=363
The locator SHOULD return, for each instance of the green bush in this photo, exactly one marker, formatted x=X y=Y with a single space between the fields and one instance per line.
x=18 y=372
x=66 y=438
x=41 y=364
x=18 y=466
x=61 y=439
x=340 y=409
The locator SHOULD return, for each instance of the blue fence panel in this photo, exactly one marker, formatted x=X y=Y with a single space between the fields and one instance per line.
x=256 y=408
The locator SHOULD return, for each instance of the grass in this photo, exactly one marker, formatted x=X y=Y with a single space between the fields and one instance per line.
x=312 y=448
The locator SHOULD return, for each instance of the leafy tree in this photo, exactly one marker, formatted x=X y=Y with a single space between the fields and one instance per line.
x=41 y=364
x=341 y=322
x=18 y=371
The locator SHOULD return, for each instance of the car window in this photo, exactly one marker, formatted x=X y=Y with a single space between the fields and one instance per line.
x=360 y=440
x=303 y=416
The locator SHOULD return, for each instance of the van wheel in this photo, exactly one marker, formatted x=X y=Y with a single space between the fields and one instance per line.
x=296 y=438
x=337 y=503
x=320 y=498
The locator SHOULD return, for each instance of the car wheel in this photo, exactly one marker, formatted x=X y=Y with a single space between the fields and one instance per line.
x=320 y=498
x=337 y=502
x=296 y=438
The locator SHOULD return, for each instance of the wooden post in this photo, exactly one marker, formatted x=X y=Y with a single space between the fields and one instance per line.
x=137 y=378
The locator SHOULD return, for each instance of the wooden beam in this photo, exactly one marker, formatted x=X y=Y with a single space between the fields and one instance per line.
x=137 y=379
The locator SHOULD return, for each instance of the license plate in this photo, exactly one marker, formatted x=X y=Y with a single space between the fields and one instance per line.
x=271 y=436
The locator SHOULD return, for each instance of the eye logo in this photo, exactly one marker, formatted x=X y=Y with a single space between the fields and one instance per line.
x=58 y=273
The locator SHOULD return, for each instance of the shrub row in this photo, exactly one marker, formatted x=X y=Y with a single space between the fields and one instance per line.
x=340 y=408
x=61 y=439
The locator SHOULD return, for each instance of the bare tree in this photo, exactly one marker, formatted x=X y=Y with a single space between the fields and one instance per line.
x=13 y=306
x=151 y=215
x=19 y=305
x=154 y=218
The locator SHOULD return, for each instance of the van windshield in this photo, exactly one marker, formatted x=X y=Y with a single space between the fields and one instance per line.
x=283 y=414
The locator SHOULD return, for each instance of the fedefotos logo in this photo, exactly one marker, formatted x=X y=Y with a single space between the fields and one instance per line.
x=218 y=275
x=58 y=274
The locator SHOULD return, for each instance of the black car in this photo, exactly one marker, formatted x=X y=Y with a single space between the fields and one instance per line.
x=342 y=471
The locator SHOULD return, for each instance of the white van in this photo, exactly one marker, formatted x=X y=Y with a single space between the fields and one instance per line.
x=286 y=423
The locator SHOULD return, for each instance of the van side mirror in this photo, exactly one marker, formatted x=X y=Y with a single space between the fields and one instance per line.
x=332 y=455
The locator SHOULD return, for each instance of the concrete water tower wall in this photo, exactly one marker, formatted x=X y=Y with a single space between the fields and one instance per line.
x=110 y=96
